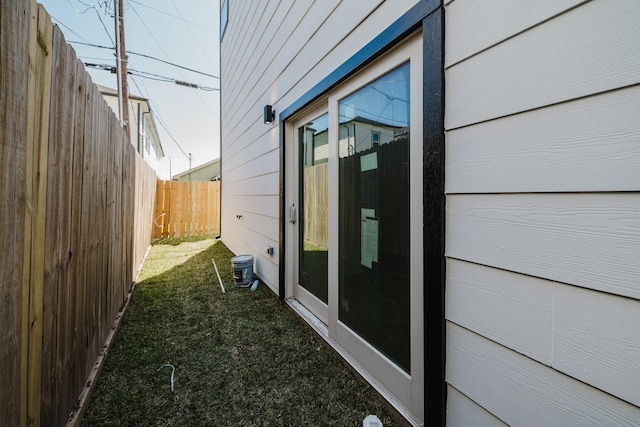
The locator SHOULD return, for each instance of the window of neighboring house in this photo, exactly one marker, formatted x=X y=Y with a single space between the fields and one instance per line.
x=224 y=17
x=375 y=138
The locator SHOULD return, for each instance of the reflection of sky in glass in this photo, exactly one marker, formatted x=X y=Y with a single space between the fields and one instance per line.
x=385 y=100
x=319 y=124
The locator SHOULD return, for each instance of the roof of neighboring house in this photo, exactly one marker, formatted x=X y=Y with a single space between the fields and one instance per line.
x=113 y=92
x=196 y=169
x=107 y=91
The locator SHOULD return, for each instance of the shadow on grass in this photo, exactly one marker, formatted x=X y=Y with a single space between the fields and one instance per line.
x=241 y=358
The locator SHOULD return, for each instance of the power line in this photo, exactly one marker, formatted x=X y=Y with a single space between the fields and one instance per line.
x=85 y=4
x=173 y=16
x=96 y=58
x=150 y=32
x=145 y=56
x=88 y=43
x=165 y=53
x=103 y=7
x=68 y=28
x=157 y=117
x=88 y=7
x=102 y=22
x=155 y=114
x=152 y=76
x=175 y=65
x=193 y=35
x=156 y=40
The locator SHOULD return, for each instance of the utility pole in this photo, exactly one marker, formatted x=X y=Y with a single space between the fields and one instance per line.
x=121 y=67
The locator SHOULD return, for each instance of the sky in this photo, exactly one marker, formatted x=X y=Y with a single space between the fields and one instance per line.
x=184 y=33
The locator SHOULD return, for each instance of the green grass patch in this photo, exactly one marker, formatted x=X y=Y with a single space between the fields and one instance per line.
x=241 y=358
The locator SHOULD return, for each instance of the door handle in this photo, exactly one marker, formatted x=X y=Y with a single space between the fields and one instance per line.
x=292 y=214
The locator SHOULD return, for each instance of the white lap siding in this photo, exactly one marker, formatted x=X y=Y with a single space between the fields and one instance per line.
x=542 y=117
x=273 y=52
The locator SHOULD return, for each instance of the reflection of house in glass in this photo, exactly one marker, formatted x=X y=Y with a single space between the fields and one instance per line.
x=361 y=134
x=356 y=135
x=316 y=147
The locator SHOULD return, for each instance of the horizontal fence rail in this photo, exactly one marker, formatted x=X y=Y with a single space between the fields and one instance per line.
x=76 y=208
x=187 y=209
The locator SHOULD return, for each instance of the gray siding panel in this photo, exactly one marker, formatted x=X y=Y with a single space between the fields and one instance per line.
x=543 y=211
x=588 y=50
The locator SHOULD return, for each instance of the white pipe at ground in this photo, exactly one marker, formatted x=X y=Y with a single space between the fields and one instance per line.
x=219 y=279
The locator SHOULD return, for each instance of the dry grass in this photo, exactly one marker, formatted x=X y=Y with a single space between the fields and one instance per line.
x=241 y=358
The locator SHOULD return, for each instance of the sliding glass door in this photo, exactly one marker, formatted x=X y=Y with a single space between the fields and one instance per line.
x=374 y=213
x=357 y=243
x=314 y=206
x=312 y=244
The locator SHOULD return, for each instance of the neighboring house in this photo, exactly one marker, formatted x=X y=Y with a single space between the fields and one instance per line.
x=142 y=129
x=209 y=171
x=479 y=265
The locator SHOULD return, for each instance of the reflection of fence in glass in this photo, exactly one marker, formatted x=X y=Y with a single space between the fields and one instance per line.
x=391 y=188
x=316 y=203
x=187 y=209
x=374 y=247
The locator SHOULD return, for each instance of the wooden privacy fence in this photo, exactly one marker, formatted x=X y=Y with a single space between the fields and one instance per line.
x=187 y=209
x=76 y=208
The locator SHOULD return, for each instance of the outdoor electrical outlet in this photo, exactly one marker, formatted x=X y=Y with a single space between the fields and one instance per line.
x=269 y=250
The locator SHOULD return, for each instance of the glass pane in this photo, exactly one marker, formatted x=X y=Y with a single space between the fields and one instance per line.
x=374 y=214
x=314 y=208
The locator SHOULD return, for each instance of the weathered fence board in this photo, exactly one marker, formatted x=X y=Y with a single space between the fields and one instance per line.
x=78 y=250
x=58 y=224
x=38 y=113
x=77 y=202
x=14 y=154
x=186 y=209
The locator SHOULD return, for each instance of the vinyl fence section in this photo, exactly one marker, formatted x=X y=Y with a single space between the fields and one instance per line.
x=187 y=209
x=76 y=208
